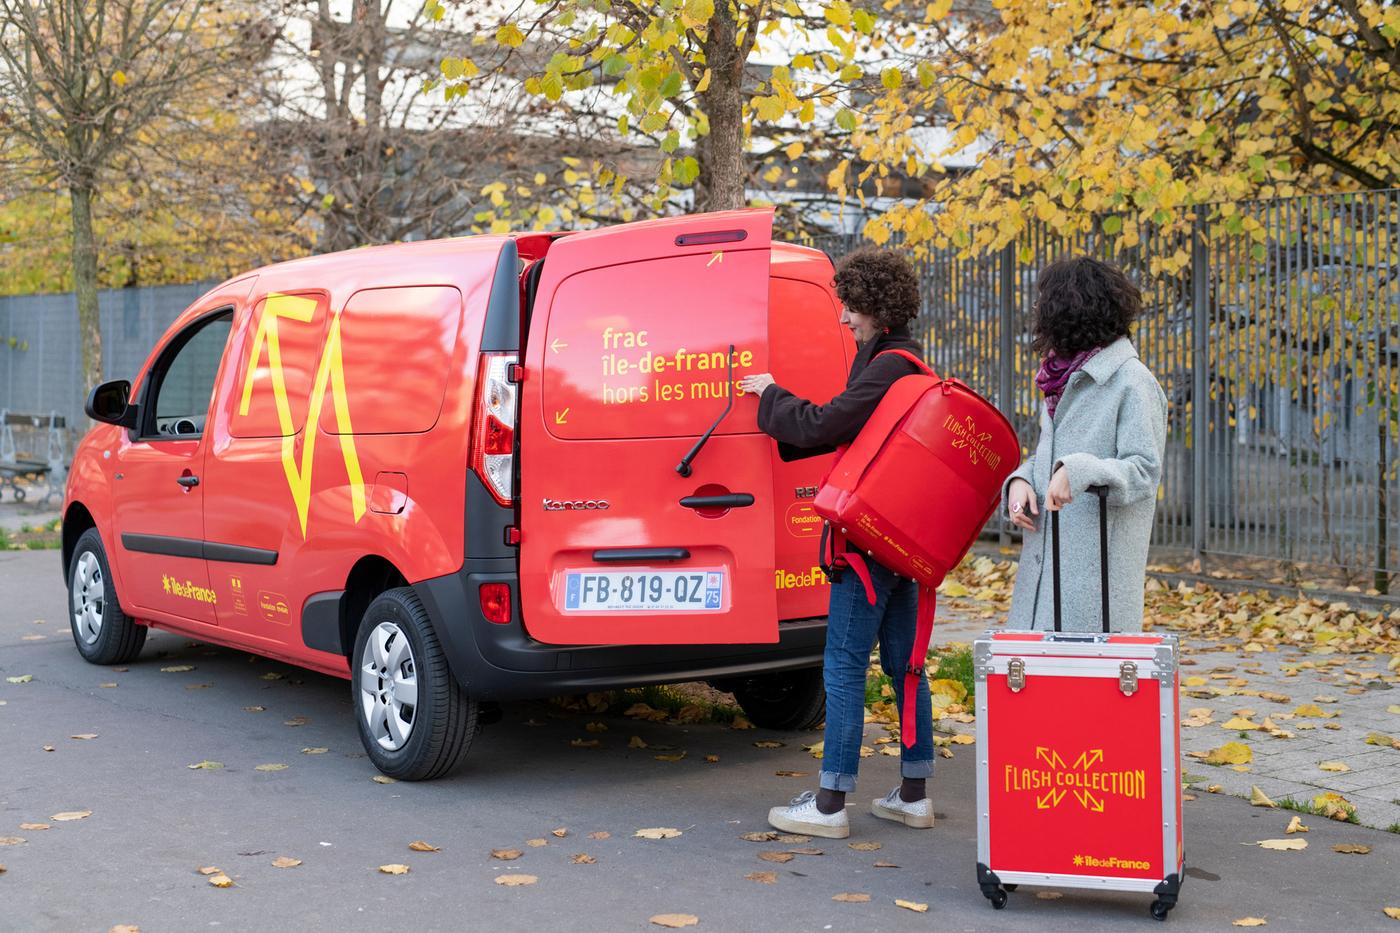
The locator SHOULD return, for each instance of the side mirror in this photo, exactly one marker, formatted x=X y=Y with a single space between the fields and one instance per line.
x=110 y=404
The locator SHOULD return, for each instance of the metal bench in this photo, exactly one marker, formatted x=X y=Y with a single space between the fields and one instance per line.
x=18 y=473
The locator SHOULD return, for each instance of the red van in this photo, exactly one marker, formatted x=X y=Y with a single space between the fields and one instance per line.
x=468 y=470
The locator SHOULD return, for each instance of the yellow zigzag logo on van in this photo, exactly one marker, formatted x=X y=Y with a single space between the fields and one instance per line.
x=329 y=370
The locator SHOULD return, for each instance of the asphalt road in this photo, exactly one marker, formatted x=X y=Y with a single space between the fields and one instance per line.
x=154 y=822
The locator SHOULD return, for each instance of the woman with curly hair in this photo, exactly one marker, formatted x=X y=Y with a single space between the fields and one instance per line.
x=879 y=294
x=1103 y=424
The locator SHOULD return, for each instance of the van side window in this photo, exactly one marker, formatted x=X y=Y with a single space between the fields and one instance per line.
x=184 y=380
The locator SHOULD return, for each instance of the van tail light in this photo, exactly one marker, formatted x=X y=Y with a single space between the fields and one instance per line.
x=493 y=433
x=495 y=602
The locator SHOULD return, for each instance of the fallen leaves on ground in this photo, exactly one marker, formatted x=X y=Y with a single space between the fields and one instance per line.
x=270 y=767
x=1351 y=848
x=84 y=735
x=807 y=851
x=316 y=750
x=582 y=858
x=660 y=832
x=740 y=722
x=383 y=779
x=1336 y=767
x=1334 y=806
x=636 y=742
x=1283 y=845
x=884 y=864
x=1231 y=753
x=11 y=840
x=815 y=749
x=21 y=679
x=1295 y=825
x=296 y=721
x=536 y=843
x=221 y=880
x=205 y=765
x=1049 y=895
x=779 y=857
x=255 y=709
x=585 y=743
x=283 y=861
x=676 y=757
x=712 y=759
x=852 y=898
x=596 y=726
x=675 y=921
x=1249 y=922
x=762 y=877
x=760 y=836
x=125 y=928
x=645 y=712
x=768 y=743
x=1239 y=724
x=34 y=827
x=1392 y=912
x=912 y=905
x=208 y=870
x=601 y=834
x=791 y=774
x=515 y=881
x=559 y=833
x=506 y=855
x=1383 y=740
x=271 y=675
x=419 y=845
x=177 y=668
x=1257 y=798
x=394 y=869
x=865 y=846
x=1312 y=711
x=70 y=815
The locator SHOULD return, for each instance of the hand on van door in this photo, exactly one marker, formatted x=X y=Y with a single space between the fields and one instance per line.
x=1021 y=503
x=756 y=383
x=1058 y=495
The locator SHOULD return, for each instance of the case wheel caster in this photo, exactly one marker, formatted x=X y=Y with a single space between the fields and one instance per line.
x=998 y=899
x=1160 y=909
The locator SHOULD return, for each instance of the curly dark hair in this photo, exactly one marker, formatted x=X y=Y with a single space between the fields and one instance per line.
x=880 y=283
x=1082 y=303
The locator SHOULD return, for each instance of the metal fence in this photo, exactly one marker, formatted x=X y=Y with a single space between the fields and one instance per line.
x=1283 y=317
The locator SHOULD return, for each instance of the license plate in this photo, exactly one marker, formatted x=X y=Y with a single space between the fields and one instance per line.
x=644 y=591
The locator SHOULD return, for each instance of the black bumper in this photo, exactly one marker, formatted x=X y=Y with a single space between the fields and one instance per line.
x=502 y=662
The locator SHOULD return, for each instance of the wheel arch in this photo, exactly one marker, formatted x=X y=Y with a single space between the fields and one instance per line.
x=370 y=576
x=76 y=520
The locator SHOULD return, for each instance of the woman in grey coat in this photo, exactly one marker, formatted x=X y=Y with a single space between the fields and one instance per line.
x=1103 y=423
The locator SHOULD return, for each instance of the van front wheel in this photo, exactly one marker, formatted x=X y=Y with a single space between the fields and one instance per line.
x=415 y=721
x=103 y=633
x=786 y=700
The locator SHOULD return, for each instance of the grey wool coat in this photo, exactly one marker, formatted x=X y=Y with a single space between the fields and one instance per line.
x=1109 y=430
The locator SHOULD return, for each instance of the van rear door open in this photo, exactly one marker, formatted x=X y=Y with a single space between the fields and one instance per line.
x=628 y=364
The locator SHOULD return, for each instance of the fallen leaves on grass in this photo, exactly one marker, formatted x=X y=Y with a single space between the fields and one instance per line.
x=675 y=921
x=912 y=905
x=1334 y=806
x=762 y=877
x=398 y=869
x=659 y=832
x=852 y=898
x=515 y=881
x=419 y=845
x=283 y=861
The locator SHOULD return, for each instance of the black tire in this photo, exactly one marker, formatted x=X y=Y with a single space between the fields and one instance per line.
x=443 y=718
x=93 y=598
x=1160 y=909
x=998 y=899
x=786 y=700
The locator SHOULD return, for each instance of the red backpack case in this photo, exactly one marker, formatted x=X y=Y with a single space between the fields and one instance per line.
x=914 y=489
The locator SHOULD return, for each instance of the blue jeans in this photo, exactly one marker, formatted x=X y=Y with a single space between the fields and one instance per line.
x=852 y=628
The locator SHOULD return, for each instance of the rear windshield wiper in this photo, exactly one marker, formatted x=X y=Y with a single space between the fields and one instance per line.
x=683 y=468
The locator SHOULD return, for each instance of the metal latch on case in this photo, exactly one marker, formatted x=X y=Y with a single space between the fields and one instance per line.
x=1128 y=678
x=1016 y=675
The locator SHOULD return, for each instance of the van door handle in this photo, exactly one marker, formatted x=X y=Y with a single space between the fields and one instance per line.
x=619 y=555
x=189 y=482
x=732 y=500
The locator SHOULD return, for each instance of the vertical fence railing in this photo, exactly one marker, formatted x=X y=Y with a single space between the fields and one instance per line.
x=1276 y=337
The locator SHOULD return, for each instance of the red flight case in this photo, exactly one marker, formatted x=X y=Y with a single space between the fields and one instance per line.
x=1078 y=756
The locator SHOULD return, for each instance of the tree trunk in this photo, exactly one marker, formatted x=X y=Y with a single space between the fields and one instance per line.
x=720 y=184
x=85 y=283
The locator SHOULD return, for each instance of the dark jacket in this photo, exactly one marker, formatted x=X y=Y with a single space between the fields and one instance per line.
x=803 y=429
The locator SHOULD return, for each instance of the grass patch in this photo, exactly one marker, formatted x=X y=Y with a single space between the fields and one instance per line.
x=1312 y=809
x=672 y=699
x=955 y=663
x=1393 y=828
x=32 y=538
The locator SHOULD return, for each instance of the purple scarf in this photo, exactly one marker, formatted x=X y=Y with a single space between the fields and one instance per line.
x=1055 y=372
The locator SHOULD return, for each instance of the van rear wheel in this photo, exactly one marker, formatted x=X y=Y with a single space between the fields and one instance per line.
x=786 y=700
x=415 y=721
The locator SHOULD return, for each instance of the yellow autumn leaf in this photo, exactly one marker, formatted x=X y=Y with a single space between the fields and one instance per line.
x=1334 y=806
x=851 y=898
x=1239 y=723
x=1283 y=845
x=1295 y=825
x=951 y=587
x=221 y=880
x=270 y=767
x=1383 y=740
x=1231 y=753
x=394 y=869
x=1249 y=922
x=283 y=861
x=660 y=832
x=912 y=905
x=70 y=815
x=1392 y=912
x=1257 y=798
x=419 y=845
x=515 y=881
x=675 y=921
x=1337 y=767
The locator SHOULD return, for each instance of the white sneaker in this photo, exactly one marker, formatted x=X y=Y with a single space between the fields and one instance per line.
x=918 y=814
x=802 y=816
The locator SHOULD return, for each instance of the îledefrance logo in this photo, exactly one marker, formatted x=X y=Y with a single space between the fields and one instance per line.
x=187 y=590
x=1088 y=780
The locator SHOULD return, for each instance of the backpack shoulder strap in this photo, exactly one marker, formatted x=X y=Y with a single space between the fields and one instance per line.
x=923 y=367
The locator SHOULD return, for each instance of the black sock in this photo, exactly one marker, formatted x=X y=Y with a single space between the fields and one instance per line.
x=830 y=801
x=911 y=790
